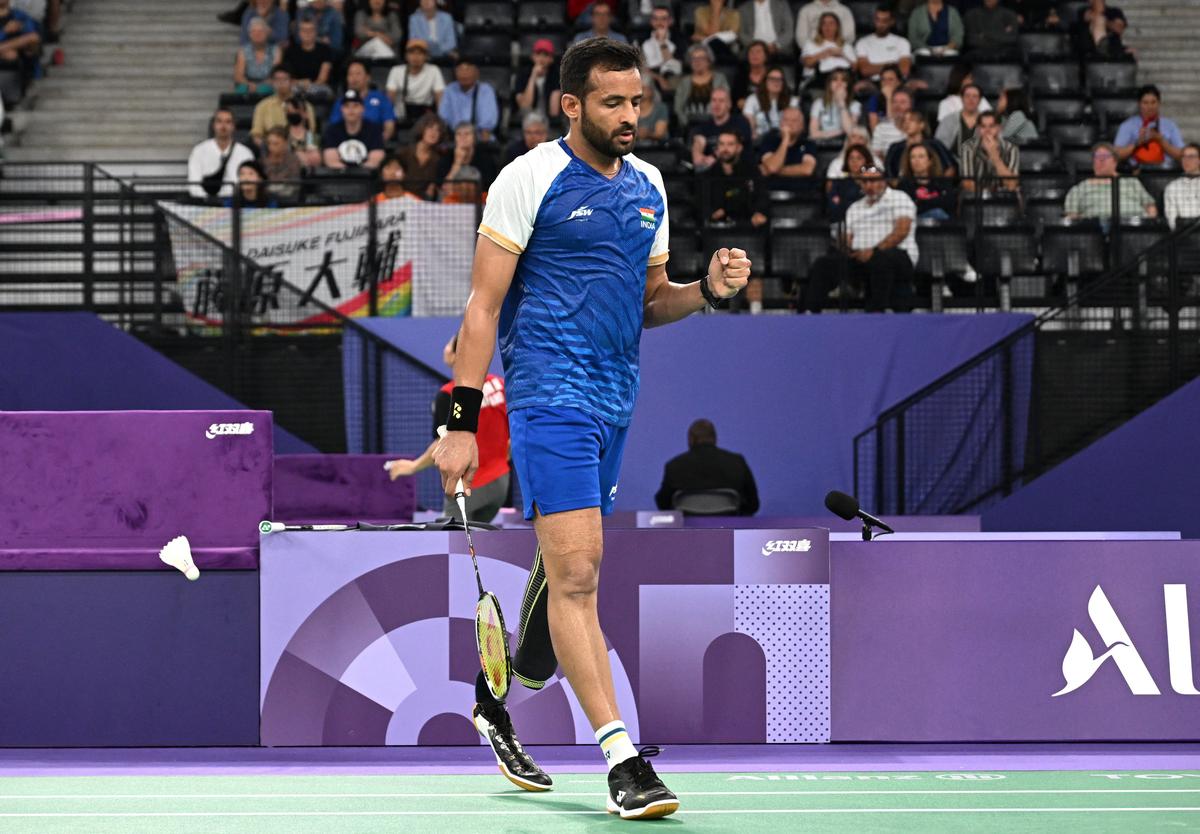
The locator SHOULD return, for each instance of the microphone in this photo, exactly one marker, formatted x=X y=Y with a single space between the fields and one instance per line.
x=846 y=506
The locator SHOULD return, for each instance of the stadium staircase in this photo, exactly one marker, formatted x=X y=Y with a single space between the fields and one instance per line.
x=1163 y=32
x=139 y=83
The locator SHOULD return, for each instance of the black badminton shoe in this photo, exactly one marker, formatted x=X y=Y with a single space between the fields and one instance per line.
x=494 y=725
x=635 y=791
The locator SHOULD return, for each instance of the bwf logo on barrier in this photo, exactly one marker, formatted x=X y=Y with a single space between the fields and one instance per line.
x=226 y=429
x=786 y=546
x=1079 y=663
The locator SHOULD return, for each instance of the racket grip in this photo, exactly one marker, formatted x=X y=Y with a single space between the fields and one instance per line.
x=460 y=492
x=270 y=526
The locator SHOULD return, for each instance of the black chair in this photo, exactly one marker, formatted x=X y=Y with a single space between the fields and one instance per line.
x=687 y=260
x=1003 y=253
x=1054 y=77
x=935 y=72
x=493 y=48
x=348 y=186
x=686 y=19
x=1059 y=108
x=1037 y=158
x=1043 y=45
x=789 y=210
x=378 y=70
x=1110 y=76
x=863 y=12
x=1133 y=239
x=1051 y=184
x=1156 y=182
x=541 y=15
x=488 y=17
x=993 y=78
x=1112 y=110
x=664 y=158
x=1073 y=250
x=501 y=80
x=1045 y=209
x=989 y=209
x=942 y=250
x=707 y=501
x=243 y=115
x=1072 y=133
x=793 y=251
x=1077 y=159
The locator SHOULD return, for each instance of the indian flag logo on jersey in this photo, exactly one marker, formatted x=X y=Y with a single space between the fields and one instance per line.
x=647 y=217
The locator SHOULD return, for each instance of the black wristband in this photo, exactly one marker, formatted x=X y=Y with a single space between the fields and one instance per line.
x=464 y=409
x=706 y=291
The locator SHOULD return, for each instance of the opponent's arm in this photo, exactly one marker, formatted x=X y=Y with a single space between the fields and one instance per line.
x=665 y=302
x=456 y=454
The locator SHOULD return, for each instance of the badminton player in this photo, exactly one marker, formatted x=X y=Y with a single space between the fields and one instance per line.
x=569 y=266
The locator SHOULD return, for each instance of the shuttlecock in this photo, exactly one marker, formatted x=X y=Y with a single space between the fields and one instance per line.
x=178 y=554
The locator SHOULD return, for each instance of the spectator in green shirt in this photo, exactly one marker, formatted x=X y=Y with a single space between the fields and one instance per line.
x=1093 y=198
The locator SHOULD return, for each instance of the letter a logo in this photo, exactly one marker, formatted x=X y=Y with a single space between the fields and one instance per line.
x=1079 y=664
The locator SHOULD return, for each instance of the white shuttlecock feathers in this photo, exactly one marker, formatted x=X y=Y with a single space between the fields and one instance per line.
x=178 y=554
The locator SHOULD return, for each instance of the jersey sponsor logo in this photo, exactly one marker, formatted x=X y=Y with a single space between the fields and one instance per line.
x=786 y=546
x=612 y=493
x=580 y=213
x=647 y=215
x=226 y=429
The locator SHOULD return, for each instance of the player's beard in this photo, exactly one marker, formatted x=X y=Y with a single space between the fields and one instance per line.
x=604 y=142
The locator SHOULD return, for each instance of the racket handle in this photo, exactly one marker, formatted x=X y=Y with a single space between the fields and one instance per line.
x=460 y=492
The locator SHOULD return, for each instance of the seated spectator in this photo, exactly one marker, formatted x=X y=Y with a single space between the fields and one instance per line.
x=809 y=18
x=302 y=138
x=960 y=77
x=377 y=107
x=352 y=142
x=1099 y=31
x=1037 y=14
x=878 y=248
x=20 y=45
x=1016 y=116
x=540 y=90
x=272 y=111
x=435 y=27
x=254 y=60
x=281 y=168
x=694 y=91
x=959 y=127
x=844 y=191
x=763 y=107
x=1093 y=198
x=470 y=100
x=883 y=48
x=916 y=132
x=213 y=163
x=251 y=190
x=721 y=117
x=922 y=179
x=718 y=27
x=330 y=26
x=463 y=186
x=768 y=21
x=423 y=157
x=858 y=135
x=602 y=17
x=1149 y=139
x=378 y=30
x=275 y=19
x=467 y=152
x=734 y=190
x=415 y=86
x=989 y=162
x=310 y=61
x=639 y=12
x=784 y=157
x=990 y=32
x=889 y=131
x=705 y=466
x=654 y=119
x=835 y=113
x=890 y=80
x=534 y=131
x=935 y=28
x=751 y=72
x=1181 y=200
x=828 y=50
x=392 y=182
x=662 y=51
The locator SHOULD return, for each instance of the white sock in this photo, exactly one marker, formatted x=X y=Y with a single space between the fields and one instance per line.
x=615 y=743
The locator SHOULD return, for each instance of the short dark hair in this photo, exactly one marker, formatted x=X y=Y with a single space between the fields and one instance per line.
x=990 y=114
x=251 y=163
x=575 y=73
x=281 y=68
x=729 y=131
x=702 y=433
x=1150 y=89
x=360 y=62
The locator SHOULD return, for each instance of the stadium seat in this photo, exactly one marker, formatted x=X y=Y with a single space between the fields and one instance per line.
x=993 y=78
x=663 y=157
x=490 y=17
x=346 y=186
x=1156 y=182
x=1131 y=239
x=541 y=15
x=1045 y=209
x=863 y=12
x=1046 y=184
x=1037 y=157
x=987 y=209
x=935 y=72
x=1077 y=159
x=687 y=259
x=789 y=210
x=487 y=48
x=743 y=237
x=1043 y=45
x=1050 y=108
x=1003 y=253
x=1055 y=77
x=1072 y=133
x=1073 y=250
x=707 y=501
x=1110 y=76
x=794 y=250
x=379 y=73
x=942 y=250
x=501 y=80
x=1112 y=110
x=685 y=19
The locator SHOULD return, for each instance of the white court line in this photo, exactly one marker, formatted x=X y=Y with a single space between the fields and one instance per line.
x=683 y=794
x=184 y=814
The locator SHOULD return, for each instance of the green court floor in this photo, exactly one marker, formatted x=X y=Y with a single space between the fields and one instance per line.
x=712 y=802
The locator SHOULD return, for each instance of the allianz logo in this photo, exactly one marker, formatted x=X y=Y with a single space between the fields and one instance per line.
x=225 y=429
x=1080 y=663
x=786 y=546
x=582 y=211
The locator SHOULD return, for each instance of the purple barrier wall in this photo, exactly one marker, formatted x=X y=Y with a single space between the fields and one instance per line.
x=97 y=489
x=368 y=638
x=971 y=641
x=1144 y=473
x=789 y=393
x=339 y=489
x=76 y=362
x=899 y=523
x=128 y=659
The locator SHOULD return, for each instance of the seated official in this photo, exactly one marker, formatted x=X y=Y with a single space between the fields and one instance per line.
x=705 y=466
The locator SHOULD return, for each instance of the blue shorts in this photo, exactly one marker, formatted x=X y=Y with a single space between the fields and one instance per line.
x=565 y=458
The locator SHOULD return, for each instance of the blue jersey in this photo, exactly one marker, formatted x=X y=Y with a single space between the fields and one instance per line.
x=572 y=320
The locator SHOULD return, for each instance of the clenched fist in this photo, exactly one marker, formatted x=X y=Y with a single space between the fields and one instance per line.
x=728 y=272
